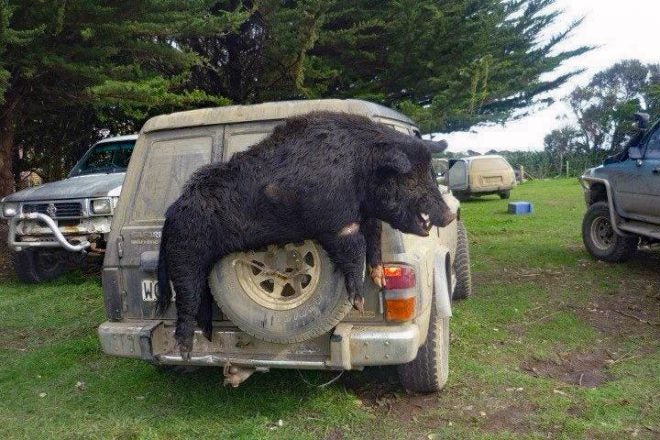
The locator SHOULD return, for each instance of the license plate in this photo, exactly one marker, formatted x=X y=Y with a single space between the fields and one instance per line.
x=148 y=290
x=492 y=180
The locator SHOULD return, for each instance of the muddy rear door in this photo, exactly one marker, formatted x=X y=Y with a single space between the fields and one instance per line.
x=168 y=160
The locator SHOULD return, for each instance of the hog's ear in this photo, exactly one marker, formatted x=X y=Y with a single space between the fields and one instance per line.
x=436 y=147
x=392 y=159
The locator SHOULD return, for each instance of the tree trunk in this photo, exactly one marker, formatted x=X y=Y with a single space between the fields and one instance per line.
x=7 y=184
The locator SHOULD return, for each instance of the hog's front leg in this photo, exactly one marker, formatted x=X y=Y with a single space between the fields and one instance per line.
x=347 y=251
x=372 y=229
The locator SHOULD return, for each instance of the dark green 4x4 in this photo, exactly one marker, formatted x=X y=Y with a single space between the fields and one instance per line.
x=623 y=198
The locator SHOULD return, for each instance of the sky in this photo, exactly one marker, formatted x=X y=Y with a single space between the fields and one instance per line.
x=621 y=30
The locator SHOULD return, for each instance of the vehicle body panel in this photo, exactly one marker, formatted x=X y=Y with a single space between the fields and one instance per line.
x=68 y=203
x=631 y=186
x=90 y=185
x=167 y=152
x=480 y=175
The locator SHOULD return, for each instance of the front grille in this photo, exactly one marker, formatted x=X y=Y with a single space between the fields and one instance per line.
x=61 y=209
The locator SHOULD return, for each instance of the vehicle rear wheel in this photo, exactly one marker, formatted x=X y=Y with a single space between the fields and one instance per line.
x=504 y=195
x=427 y=373
x=461 y=196
x=463 y=287
x=282 y=294
x=601 y=240
x=38 y=266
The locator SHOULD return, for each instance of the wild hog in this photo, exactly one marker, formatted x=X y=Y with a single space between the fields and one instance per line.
x=323 y=176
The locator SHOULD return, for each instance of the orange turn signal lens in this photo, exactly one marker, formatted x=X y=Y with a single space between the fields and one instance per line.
x=400 y=309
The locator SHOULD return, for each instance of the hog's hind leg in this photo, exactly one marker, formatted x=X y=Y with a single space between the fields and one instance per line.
x=347 y=252
x=189 y=278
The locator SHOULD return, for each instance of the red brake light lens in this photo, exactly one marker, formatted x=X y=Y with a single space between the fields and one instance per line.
x=399 y=277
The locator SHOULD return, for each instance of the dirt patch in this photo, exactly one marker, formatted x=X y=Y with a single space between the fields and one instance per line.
x=586 y=369
x=335 y=434
x=379 y=390
x=513 y=418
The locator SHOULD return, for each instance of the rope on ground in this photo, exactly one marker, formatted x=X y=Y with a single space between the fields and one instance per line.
x=323 y=385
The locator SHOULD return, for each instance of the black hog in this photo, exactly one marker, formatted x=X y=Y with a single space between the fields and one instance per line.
x=323 y=176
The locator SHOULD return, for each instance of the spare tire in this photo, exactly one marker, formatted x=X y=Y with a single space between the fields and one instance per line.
x=281 y=294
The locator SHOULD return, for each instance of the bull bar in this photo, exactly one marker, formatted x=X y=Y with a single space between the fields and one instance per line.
x=50 y=223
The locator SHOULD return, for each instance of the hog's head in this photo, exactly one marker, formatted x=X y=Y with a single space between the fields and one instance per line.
x=402 y=189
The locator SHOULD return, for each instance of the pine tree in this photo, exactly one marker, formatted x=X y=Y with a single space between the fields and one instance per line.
x=448 y=64
x=120 y=55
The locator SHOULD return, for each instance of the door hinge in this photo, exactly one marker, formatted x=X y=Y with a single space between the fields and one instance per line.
x=120 y=246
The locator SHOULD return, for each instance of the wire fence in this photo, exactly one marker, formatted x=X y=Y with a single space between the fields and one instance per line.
x=543 y=164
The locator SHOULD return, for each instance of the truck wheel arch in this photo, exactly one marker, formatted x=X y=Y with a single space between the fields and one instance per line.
x=442 y=284
x=597 y=193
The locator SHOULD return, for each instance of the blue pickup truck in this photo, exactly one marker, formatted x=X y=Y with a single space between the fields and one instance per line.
x=623 y=198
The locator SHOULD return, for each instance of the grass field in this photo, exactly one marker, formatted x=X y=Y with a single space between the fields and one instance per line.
x=552 y=345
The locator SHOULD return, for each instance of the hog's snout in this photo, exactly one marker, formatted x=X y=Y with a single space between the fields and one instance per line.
x=439 y=213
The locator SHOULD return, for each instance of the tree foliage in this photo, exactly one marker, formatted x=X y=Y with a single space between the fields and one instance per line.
x=448 y=64
x=108 y=64
x=566 y=139
x=604 y=108
x=70 y=69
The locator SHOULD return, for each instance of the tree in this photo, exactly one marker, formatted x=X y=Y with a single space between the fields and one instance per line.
x=115 y=57
x=448 y=64
x=604 y=108
x=567 y=139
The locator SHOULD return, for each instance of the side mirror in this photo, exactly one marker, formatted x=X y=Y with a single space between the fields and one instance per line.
x=642 y=120
x=635 y=153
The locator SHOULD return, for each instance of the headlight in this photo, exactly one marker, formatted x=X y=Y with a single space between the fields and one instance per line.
x=9 y=209
x=101 y=206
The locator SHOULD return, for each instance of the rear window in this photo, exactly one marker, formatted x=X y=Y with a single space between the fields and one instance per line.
x=168 y=166
x=490 y=164
x=239 y=137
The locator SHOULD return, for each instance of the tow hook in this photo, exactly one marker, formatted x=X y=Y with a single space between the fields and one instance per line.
x=235 y=374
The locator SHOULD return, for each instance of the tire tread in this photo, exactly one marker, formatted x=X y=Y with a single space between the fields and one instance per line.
x=463 y=287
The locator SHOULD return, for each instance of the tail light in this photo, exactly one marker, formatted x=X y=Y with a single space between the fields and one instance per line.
x=399 y=277
x=399 y=305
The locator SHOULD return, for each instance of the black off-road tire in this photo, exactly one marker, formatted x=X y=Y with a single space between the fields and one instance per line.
x=322 y=310
x=37 y=266
x=600 y=239
x=504 y=195
x=463 y=288
x=461 y=195
x=427 y=373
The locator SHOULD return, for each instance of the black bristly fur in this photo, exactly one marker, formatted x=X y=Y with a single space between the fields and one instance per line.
x=311 y=178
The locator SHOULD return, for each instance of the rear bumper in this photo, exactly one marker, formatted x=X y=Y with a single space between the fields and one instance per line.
x=348 y=347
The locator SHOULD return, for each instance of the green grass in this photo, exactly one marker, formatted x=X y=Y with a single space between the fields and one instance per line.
x=532 y=279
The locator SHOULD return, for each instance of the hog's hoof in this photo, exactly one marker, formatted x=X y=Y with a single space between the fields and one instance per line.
x=185 y=353
x=377 y=275
x=207 y=331
x=358 y=303
x=185 y=348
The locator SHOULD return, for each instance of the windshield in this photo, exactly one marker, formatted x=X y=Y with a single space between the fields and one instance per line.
x=107 y=157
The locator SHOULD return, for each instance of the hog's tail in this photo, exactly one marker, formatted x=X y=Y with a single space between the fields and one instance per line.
x=163 y=293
